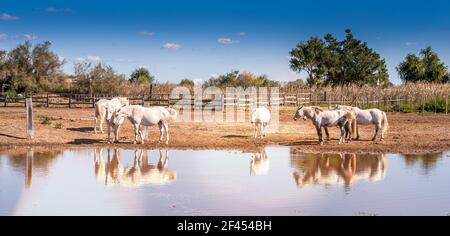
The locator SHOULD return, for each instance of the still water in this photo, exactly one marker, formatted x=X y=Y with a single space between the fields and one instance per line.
x=274 y=181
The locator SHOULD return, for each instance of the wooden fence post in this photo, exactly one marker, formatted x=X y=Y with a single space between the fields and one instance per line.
x=47 y=100
x=29 y=113
x=93 y=101
x=6 y=100
x=70 y=101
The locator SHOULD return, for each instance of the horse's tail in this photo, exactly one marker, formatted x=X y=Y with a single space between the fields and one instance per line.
x=351 y=117
x=384 y=123
x=173 y=113
x=354 y=123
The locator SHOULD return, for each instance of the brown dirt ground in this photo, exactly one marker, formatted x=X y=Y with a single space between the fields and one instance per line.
x=408 y=133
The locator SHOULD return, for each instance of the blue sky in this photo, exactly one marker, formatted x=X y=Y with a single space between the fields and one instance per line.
x=196 y=39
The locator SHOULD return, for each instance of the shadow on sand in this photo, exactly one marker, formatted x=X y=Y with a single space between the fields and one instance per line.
x=86 y=141
x=11 y=136
x=82 y=129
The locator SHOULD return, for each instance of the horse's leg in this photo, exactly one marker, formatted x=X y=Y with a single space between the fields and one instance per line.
x=141 y=135
x=116 y=133
x=319 y=133
x=109 y=131
x=327 y=134
x=102 y=119
x=166 y=128
x=377 y=128
x=264 y=129
x=261 y=130
x=95 y=124
x=382 y=132
x=342 y=138
x=357 y=131
x=161 y=127
x=136 y=132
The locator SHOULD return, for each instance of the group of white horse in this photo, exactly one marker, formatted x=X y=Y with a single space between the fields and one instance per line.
x=347 y=118
x=115 y=111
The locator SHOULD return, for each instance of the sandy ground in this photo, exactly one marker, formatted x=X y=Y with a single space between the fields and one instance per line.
x=408 y=133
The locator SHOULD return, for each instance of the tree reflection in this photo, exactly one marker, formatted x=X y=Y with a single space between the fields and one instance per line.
x=27 y=160
x=427 y=161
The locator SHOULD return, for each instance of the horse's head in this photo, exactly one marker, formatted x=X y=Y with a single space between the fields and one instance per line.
x=300 y=113
x=117 y=117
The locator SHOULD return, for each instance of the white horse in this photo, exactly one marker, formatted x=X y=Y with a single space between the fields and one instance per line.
x=104 y=110
x=321 y=118
x=367 y=117
x=260 y=117
x=146 y=116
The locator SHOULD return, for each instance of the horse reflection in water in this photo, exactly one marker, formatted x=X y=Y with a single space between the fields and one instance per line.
x=142 y=172
x=332 y=169
x=259 y=164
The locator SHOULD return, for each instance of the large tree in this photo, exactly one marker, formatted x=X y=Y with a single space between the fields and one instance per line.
x=142 y=76
x=310 y=56
x=428 y=67
x=31 y=69
x=97 y=79
x=335 y=62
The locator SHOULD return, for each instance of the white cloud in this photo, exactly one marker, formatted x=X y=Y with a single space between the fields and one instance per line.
x=242 y=33
x=173 y=46
x=89 y=58
x=30 y=37
x=6 y=16
x=61 y=59
x=227 y=41
x=3 y=36
x=147 y=33
x=411 y=44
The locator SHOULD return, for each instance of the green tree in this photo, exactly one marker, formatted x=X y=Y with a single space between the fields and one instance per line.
x=142 y=76
x=227 y=80
x=187 y=82
x=245 y=79
x=97 y=79
x=31 y=69
x=310 y=56
x=428 y=67
x=411 y=69
x=334 y=62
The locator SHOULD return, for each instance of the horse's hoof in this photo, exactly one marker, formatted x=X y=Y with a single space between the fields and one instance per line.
x=320 y=143
x=134 y=142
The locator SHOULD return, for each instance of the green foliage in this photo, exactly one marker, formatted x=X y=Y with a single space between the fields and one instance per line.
x=97 y=79
x=187 y=82
x=142 y=76
x=428 y=67
x=244 y=79
x=30 y=69
x=333 y=62
x=46 y=120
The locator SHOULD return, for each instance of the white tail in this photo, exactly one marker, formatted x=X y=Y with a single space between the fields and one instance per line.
x=384 y=123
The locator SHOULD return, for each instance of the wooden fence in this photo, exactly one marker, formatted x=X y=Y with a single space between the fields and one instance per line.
x=220 y=102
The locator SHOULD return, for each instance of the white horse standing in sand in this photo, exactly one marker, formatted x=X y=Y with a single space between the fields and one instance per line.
x=145 y=116
x=260 y=117
x=322 y=118
x=104 y=109
x=368 y=117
